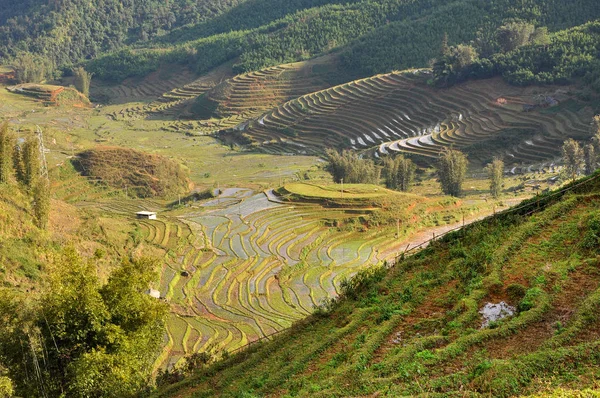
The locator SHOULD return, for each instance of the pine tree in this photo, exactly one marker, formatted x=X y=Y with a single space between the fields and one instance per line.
x=452 y=170
x=496 y=175
x=7 y=147
x=41 y=203
x=572 y=157
x=31 y=162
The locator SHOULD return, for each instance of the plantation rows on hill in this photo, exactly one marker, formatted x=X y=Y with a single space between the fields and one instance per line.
x=417 y=330
x=398 y=112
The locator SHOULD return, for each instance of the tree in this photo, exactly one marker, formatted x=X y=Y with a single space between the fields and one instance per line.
x=445 y=48
x=31 y=68
x=462 y=56
x=349 y=167
x=41 y=203
x=495 y=172
x=18 y=164
x=572 y=158
x=452 y=169
x=514 y=35
x=596 y=134
x=83 y=80
x=540 y=36
x=31 y=161
x=398 y=173
x=6 y=387
x=82 y=339
x=7 y=147
x=590 y=159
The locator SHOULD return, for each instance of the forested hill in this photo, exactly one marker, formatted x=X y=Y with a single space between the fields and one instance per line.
x=371 y=36
x=67 y=31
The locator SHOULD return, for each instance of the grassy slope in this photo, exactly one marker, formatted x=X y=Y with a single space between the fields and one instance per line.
x=416 y=329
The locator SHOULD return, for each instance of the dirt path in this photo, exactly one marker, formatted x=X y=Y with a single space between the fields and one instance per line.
x=424 y=236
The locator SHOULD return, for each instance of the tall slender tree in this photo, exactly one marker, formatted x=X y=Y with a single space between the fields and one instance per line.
x=495 y=172
x=590 y=159
x=83 y=79
x=572 y=158
x=398 y=173
x=31 y=161
x=452 y=170
x=41 y=203
x=7 y=147
x=18 y=164
x=352 y=169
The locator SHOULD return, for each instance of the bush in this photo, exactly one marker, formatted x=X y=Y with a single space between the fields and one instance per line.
x=516 y=292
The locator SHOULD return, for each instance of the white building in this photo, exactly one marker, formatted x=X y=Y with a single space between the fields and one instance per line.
x=150 y=215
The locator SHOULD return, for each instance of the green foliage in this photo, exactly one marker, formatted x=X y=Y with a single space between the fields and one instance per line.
x=590 y=159
x=573 y=158
x=83 y=80
x=30 y=154
x=94 y=340
x=41 y=203
x=591 y=237
x=66 y=32
x=529 y=300
x=6 y=387
x=361 y=282
x=516 y=291
x=30 y=68
x=7 y=147
x=348 y=167
x=514 y=35
x=399 y=173
x=495 y=172
x=452 y=170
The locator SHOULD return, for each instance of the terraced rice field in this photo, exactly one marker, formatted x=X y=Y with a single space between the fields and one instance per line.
x=245 y=267
x=264 y=89
x=239 y=98
x=398 y=112
x=169 y=98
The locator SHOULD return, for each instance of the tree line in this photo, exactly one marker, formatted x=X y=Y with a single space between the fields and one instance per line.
x=399 y=172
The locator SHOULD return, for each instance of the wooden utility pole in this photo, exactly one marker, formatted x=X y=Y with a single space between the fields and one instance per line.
x=342 y=191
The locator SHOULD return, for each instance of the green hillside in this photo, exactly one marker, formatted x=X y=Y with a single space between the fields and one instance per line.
x=373 y=37
x=70 y=31
x=416 y=329
x=276 y=198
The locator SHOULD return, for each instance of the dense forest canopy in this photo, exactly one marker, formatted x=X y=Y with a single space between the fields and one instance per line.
x=67 y=31
x=373 y=36
x=133 y=38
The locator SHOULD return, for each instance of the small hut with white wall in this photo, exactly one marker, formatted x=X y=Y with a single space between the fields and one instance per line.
x=148 y=215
